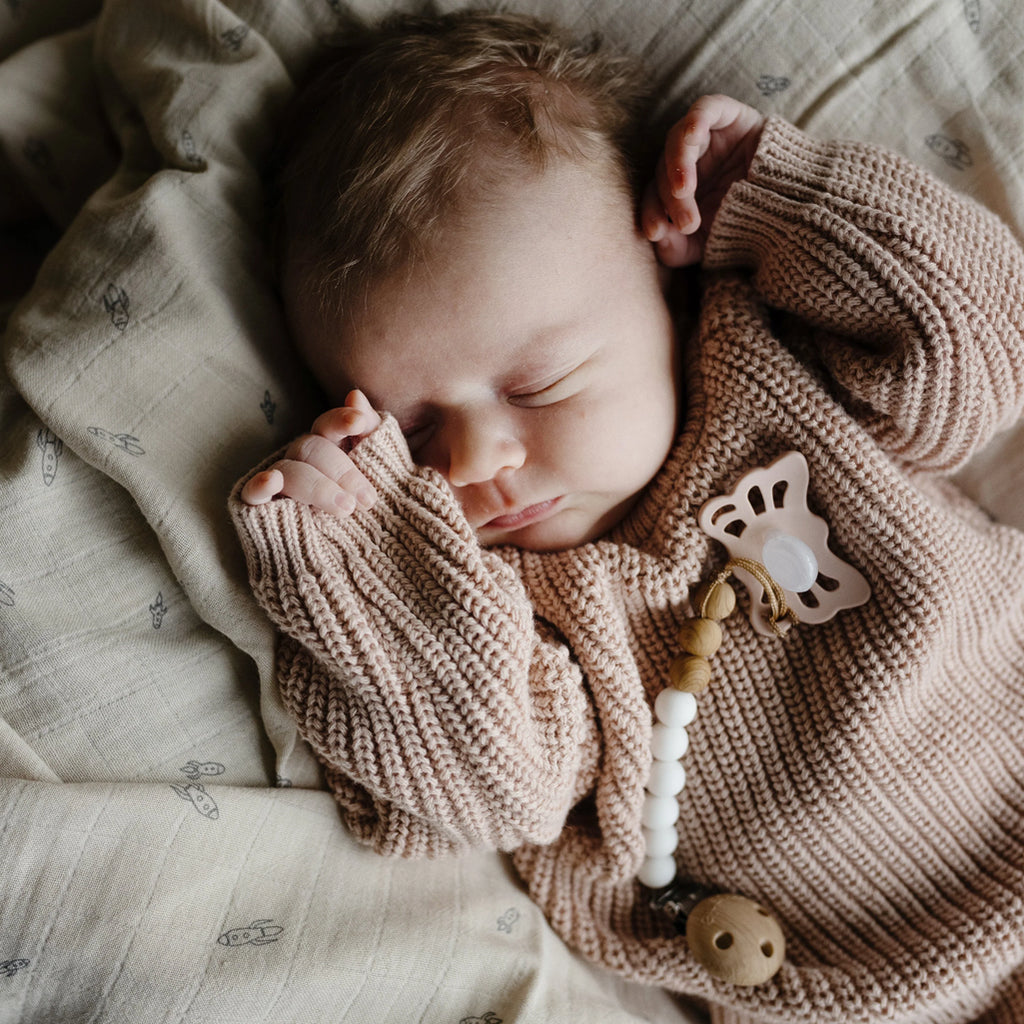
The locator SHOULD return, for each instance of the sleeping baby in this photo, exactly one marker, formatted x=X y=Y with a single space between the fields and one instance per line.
x=503 y=564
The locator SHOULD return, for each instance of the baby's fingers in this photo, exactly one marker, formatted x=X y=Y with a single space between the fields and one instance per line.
x=355 y=419
x=675 y=248
x=315 y=472
x=316 y=468
x=258 y=490
x=328 y=478
x=680 y=202
x=690 y=138
x=687 y=141
x=304 y=482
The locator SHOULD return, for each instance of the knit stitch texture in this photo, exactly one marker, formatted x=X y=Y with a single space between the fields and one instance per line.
x=864 y=778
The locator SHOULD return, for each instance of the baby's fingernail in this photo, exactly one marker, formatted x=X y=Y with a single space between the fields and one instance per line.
x=366 y=496
x=345 y=502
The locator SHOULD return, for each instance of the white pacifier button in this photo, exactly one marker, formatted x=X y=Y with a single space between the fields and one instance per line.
x=790 y=561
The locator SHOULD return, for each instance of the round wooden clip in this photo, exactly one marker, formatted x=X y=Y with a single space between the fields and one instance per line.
x=735 y=939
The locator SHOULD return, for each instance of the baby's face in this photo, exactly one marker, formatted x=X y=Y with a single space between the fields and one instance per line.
x=532 y=360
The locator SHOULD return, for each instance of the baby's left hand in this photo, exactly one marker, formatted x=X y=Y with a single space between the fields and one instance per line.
x=705 y=153
x=316 y=468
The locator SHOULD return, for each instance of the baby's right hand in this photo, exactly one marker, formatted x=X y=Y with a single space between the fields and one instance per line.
x=705 y=153
x=316 y=468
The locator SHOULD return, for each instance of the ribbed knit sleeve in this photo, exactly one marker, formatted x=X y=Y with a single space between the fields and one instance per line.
x=920 y=290
x=412 y=663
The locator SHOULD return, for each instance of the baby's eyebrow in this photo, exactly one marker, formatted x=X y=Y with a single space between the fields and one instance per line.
x=564 y=342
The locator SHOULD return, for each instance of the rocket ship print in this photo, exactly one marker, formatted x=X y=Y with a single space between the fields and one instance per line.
x=115 y=302
x=259 y=933
x=196 y=769
x=51 y=446
x=199 y=798
x=126 y=442
x=158 y=609
x=955 y=152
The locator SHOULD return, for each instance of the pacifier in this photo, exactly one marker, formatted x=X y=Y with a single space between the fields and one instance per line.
x=764 y=523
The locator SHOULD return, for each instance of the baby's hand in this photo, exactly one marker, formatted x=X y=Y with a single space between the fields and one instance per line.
x=705 y=152
x=316 y=468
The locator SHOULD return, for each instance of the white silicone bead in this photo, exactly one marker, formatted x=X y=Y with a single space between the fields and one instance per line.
x=668 y=743
x=656 y=872
x=666 y=778
x=790 y=561
x=659 y=811
x=660 y=842
x=675 y=707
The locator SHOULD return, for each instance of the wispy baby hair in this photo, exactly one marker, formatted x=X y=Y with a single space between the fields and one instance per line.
x=403 y=124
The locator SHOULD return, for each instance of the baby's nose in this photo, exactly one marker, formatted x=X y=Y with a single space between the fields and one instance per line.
x=480 y=448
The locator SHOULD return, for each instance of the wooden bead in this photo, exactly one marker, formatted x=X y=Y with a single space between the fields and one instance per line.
x=700 y=636
x=735 y=939
x=716 y=600
x=690 y=673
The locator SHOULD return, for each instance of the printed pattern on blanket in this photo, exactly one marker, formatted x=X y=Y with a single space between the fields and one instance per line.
x=167 y=852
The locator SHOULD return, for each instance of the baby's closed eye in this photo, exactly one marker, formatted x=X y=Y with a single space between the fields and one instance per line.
x=546 y=392
x=417 y=434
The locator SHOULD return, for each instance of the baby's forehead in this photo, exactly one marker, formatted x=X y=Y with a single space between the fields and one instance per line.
x=527 y=256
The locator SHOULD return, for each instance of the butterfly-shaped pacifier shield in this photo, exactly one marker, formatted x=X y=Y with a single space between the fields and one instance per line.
x=765 y=519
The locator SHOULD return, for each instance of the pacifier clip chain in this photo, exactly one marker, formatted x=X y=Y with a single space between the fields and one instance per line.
x=778 y=549
x=732 y=937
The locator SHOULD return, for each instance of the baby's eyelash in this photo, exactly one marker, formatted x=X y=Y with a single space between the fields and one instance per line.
x=417 y=434
x=524 y=397
x=539 y=391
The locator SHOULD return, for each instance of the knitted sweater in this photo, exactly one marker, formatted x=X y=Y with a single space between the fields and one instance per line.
x=864 y=777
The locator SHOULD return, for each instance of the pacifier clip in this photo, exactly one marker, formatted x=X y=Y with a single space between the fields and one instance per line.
x=778 y=549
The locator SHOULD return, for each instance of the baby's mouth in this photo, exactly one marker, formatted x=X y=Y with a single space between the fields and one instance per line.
x=524 y=516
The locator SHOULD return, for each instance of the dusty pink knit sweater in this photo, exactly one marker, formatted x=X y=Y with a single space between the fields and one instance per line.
x=864 y=778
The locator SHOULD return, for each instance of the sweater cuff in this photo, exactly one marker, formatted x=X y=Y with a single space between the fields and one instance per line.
x=417 y=496
x=382 y=457
x=411 y=499
x=788 y=167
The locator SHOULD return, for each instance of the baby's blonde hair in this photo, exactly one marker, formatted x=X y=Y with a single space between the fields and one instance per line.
x=404 y=124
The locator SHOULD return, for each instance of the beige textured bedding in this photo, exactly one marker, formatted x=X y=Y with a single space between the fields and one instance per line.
x=166 y=851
